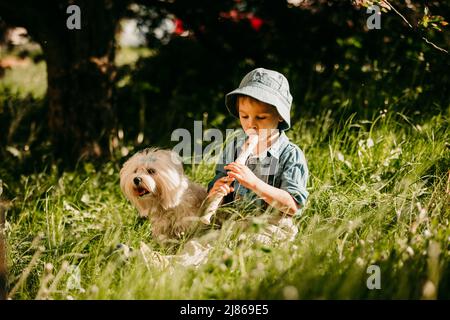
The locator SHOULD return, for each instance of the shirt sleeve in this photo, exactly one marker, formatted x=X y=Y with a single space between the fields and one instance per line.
x=295 y=175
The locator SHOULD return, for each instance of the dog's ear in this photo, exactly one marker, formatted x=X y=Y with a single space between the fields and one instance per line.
x=172 y=156
x=172 y=191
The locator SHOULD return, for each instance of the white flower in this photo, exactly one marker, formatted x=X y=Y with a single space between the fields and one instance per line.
x=429 y=290
x=359 y=261
x=370 y=143
x=410 y=251
x=422 y=211
x=85 y=198
x=395 y=153
x=290 y=293
x=94 y=289
x=68 y=207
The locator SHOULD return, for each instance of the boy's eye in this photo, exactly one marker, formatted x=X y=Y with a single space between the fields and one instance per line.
x=258 y=118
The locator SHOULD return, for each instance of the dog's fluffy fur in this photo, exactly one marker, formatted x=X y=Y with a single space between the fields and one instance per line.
x=154 y=181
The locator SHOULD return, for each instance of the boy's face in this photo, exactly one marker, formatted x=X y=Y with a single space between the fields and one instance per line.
x=257 y=115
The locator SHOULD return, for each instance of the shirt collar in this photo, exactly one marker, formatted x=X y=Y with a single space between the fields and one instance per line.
x=278 y=146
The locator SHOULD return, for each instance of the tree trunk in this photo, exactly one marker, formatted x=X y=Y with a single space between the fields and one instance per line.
x=80 y=77
x=80 y=71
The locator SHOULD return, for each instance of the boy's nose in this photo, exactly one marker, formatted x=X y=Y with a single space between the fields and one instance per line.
x=253 y=125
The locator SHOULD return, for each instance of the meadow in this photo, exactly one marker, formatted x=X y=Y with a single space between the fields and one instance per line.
x=379 y=194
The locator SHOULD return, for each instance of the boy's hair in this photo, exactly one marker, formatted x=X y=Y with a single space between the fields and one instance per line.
x=238 y=96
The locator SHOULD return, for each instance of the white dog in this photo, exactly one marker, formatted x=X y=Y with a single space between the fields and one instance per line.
x=154 y=181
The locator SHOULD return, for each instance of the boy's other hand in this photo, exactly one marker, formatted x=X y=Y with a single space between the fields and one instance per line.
x=221 y=186
x=243 y=174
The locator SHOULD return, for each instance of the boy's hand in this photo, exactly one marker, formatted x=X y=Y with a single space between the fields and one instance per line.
x=221 y=186
x=243 y=174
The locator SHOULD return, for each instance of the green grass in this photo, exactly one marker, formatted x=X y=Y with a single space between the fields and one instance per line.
x=379 y=196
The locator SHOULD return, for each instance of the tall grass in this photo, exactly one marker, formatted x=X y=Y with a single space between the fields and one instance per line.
x=379 y=193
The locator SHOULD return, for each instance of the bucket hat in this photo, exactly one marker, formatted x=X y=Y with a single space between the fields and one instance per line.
x=268 y=86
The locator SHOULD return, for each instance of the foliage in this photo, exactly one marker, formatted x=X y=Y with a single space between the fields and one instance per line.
x=324 y=48
x=326 y=51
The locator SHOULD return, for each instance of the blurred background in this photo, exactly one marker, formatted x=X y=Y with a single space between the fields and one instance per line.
x=137 y=70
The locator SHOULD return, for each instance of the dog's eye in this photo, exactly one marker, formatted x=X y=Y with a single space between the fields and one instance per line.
x=151 y=171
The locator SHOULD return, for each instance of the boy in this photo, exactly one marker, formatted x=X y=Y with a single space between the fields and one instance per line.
x=278 y=173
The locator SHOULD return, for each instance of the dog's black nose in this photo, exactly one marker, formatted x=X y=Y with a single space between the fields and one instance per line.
x=137 y=181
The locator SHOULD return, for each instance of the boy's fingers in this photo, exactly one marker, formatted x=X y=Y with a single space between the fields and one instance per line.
x=223 y=180
x=235 y=176
x=226 y=180
x=225 y=189
x=237 y=164
x=233 y=169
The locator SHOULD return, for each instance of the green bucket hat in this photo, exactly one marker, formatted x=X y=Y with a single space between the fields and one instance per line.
x=267 y=86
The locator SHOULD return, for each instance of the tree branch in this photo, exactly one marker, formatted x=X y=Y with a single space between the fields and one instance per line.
x=415 y=29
